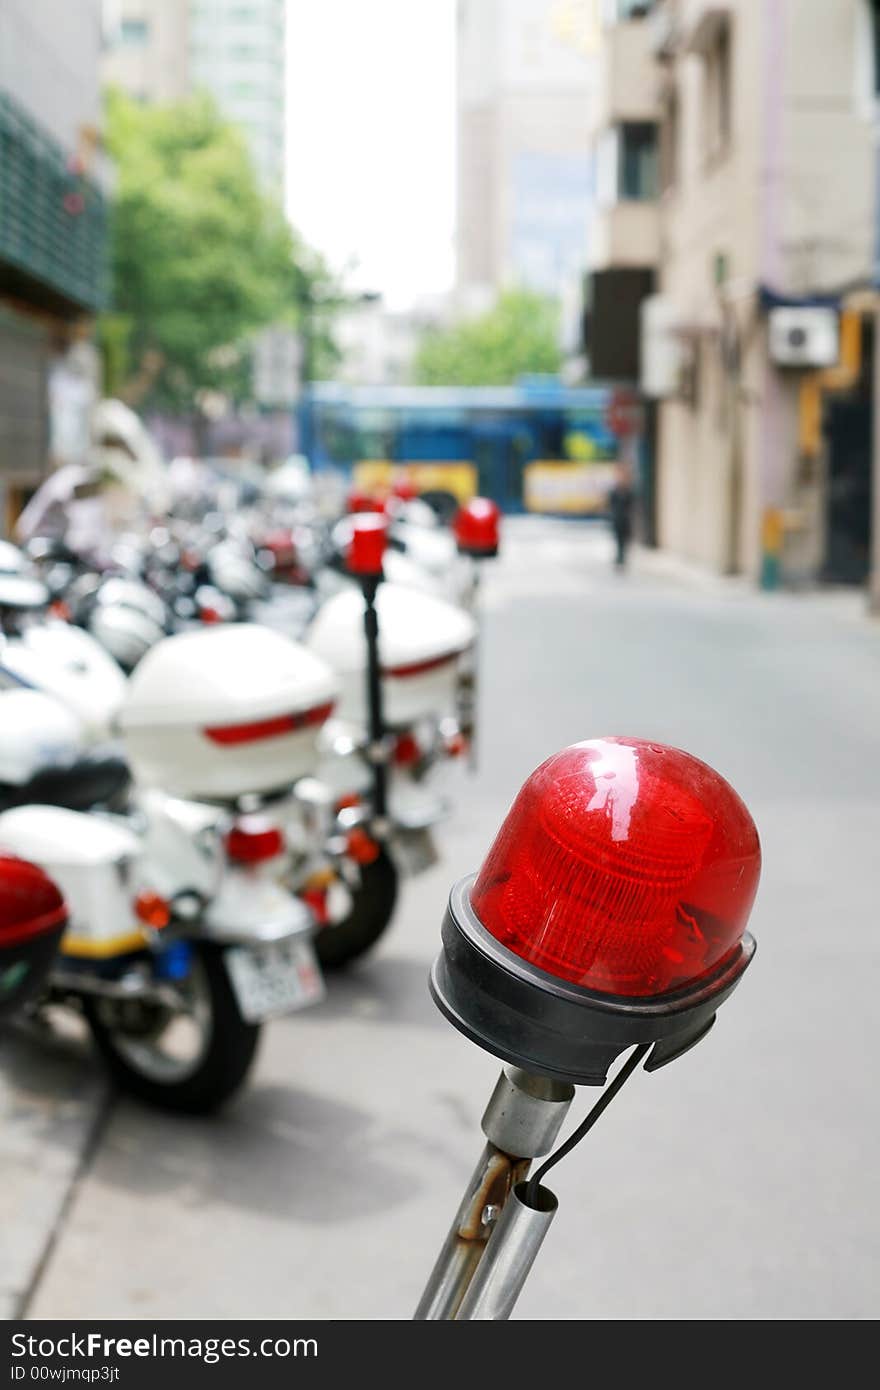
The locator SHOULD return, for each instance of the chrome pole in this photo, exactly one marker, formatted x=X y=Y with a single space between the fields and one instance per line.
x=523 y=1117
x=498 y=1279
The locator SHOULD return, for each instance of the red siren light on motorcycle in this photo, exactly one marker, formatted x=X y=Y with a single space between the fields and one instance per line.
x=367 y=546
x=626 y=867
x=360 y=501
x=33 y=917
x=404 y=489
x=477 y=527
x=616 y=894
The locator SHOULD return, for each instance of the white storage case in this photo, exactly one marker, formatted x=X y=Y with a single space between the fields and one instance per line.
x=96 y=864
x=70 y=664
x=420 y=640
x=36 y=732
x=224 y=711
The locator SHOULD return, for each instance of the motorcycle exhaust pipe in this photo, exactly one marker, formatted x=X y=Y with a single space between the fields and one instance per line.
x=128 y=987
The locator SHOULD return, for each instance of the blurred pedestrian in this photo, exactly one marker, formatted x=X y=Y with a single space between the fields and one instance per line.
x=621 y=505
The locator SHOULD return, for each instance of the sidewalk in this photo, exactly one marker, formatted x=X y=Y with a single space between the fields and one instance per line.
x=52 y=1101
x=591 y=539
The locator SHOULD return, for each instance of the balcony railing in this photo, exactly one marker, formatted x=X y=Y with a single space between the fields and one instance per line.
x=53 y=219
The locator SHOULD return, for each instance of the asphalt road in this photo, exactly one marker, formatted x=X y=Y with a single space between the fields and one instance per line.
x=739 y=1182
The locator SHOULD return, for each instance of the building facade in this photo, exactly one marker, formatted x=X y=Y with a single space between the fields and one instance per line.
x=378 y=344
x=53 y=234
x=524 y=91
x=161 y=50
x=736 y=199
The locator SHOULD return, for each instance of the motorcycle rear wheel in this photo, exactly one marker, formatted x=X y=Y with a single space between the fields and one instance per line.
x=143 y=1044
x=373 y=901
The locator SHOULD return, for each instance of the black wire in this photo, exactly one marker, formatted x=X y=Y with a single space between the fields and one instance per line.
x=607 y=1096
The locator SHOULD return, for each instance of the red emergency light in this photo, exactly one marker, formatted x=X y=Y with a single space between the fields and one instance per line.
x=476 y=527
x=367 y=545
x=404 y=489
x=32 y=921
x=611 y=910
x=360 y=501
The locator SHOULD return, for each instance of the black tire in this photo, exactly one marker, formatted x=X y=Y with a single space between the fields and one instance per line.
x=227 y=1055
x=371 y=911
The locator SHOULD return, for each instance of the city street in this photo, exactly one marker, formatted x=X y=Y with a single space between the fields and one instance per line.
x=739 y=1183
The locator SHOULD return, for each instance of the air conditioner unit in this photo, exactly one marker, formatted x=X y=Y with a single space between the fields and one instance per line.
x=661 y=348
x=806 y=336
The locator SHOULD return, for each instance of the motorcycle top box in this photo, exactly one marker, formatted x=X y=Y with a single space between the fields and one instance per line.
x=222 y=712
x=420 y=640
x=36 y=732
x=32 y=920
x=70 y=664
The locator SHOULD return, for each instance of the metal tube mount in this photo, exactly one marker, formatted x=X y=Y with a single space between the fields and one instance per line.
x=375 y=714
x=521 y=1122
x=498 y=1279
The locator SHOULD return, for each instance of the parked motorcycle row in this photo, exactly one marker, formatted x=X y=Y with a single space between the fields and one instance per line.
x=189 y=834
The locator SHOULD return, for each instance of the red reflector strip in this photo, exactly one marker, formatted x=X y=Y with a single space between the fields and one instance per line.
x=419 y=668
x=268 y=728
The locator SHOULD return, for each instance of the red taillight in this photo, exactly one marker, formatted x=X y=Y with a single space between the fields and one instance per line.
x=210 y=615
x=153 y=910
x=623 y=866
x=455 y=745
x=406 y=750
x=476 y=527
x=253 y=840
x=282 y=546
x=367 y=545
x=421 y=668
x=361 y=847
x=259 y=729
x=58 y=608
x=316 y=900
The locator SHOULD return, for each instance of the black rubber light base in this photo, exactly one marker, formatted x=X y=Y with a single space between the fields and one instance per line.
x=523 y=1015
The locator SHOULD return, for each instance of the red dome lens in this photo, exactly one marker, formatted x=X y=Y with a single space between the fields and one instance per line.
x=476 y=526
x=404 y=489
x=367 y=545
x=30 y=903
x=623 y=866
x=359 y=501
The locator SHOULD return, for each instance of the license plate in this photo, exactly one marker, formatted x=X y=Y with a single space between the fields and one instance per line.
x=274 y=979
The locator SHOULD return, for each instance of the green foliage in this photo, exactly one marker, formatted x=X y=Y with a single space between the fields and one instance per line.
x=519 y=335
x=201 y=258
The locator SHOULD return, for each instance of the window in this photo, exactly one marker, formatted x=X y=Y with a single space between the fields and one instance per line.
x=633 y=9
x=670 y=136
x=716 y=76
x=134 y=32
x=637 y=170
x=874 y=21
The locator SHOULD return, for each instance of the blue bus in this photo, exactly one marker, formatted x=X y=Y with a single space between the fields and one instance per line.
x=536 y=446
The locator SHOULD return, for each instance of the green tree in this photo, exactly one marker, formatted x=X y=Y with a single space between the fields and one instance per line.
x=201 y=258
x=518 y=335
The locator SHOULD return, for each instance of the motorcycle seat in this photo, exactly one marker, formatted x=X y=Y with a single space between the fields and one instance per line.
x=95 y=779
